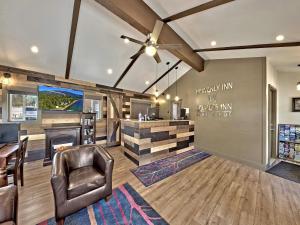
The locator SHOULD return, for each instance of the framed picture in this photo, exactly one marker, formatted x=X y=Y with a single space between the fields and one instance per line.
x=296 y=105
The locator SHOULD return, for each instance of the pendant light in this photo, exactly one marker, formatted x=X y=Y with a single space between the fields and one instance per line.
x=298 y=86
x=156 y=90
x=176 y=97
x=168 y=96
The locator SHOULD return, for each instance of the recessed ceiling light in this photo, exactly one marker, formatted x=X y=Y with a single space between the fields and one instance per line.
x=34 y=49
x=147 y=82
x=126 y=40
x=109 y=71
x=213 y=43
x=280 y=37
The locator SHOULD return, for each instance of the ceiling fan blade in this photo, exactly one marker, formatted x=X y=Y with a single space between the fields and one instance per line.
x=169 y=46
x=157 y=58
x=138 y=53
x=133 y=40
x=156 y=31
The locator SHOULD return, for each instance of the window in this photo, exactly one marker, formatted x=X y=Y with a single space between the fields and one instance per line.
x=23 y=107
x=92 y=105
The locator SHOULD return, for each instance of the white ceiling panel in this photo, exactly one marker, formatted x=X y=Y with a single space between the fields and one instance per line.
x=241 y=22
x=43 y=23
x=98 y=45
x=166 y=8
x=283 y=59
x=145 y=70
x=162 y=85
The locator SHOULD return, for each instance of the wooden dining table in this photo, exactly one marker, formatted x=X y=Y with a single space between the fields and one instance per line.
x=6 y=153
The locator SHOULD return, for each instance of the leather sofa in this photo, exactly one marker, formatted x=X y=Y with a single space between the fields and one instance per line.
x=8 y=205
x=80 y=177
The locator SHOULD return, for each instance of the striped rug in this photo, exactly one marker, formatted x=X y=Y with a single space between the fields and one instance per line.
x=156 y=171
x=125 y=207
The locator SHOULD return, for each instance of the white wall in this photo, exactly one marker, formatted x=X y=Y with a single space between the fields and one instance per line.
x=286 y=91
x=271 y=79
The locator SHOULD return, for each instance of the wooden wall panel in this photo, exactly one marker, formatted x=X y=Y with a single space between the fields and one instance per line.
x=28 y=81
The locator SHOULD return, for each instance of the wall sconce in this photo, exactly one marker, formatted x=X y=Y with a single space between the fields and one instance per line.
x=298 y=86
x=6 y=78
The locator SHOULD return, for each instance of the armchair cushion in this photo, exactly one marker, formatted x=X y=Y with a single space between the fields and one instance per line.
x=84 y=180
x=8 y=206
x=8 y=223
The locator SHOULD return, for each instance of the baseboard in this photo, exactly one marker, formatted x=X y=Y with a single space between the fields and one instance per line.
x=239 y=160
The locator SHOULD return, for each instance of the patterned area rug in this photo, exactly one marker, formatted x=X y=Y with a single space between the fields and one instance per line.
x=161 y=169
x=125 y=207
x=286 y=170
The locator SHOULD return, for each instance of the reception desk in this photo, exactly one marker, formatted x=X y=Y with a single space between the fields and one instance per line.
x=147 y=141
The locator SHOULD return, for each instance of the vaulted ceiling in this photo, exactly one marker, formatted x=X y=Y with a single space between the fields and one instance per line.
x=98 y=47
x=241 y=22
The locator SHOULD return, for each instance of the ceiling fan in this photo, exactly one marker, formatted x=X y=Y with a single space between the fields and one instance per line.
x=150 y=46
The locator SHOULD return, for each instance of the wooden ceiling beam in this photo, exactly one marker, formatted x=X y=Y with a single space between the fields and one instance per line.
x=76 y=10
x=242 y=47
x=163 y=75
x=196 y=9
x=140 y=16
x=126 y=70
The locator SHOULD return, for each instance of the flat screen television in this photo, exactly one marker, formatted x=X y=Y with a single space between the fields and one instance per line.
x=9 y=133
x=60 y=99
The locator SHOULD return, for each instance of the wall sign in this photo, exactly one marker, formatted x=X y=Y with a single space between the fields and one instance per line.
x=213 y=107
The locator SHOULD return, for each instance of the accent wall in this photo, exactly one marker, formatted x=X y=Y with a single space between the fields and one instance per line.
x=227 y=101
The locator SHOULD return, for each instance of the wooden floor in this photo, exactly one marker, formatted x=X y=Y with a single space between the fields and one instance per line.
x=214 y=191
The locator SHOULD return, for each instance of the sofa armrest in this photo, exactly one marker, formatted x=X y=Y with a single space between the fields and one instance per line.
x=9 y=203
x=59 y=179
x=104 y=162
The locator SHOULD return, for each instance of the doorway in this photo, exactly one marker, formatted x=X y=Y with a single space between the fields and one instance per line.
x=175 y=109
x=272 y=124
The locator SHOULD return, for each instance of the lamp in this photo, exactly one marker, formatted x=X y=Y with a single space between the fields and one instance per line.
x=6 y=78
x=298 y=86
x=150 y=50
x=168 y=96
x=156 y=89
x=176 y=97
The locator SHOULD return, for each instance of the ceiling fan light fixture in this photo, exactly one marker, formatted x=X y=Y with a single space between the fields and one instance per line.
x=151 y=50
x=126 y=40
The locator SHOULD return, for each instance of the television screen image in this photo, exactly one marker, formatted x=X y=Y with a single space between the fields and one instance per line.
x=60 y=99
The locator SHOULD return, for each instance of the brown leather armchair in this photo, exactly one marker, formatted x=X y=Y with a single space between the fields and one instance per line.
x=80 y=177
x=8 y=205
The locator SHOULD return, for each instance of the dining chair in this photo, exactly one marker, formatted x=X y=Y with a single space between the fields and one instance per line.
x=14 y=168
